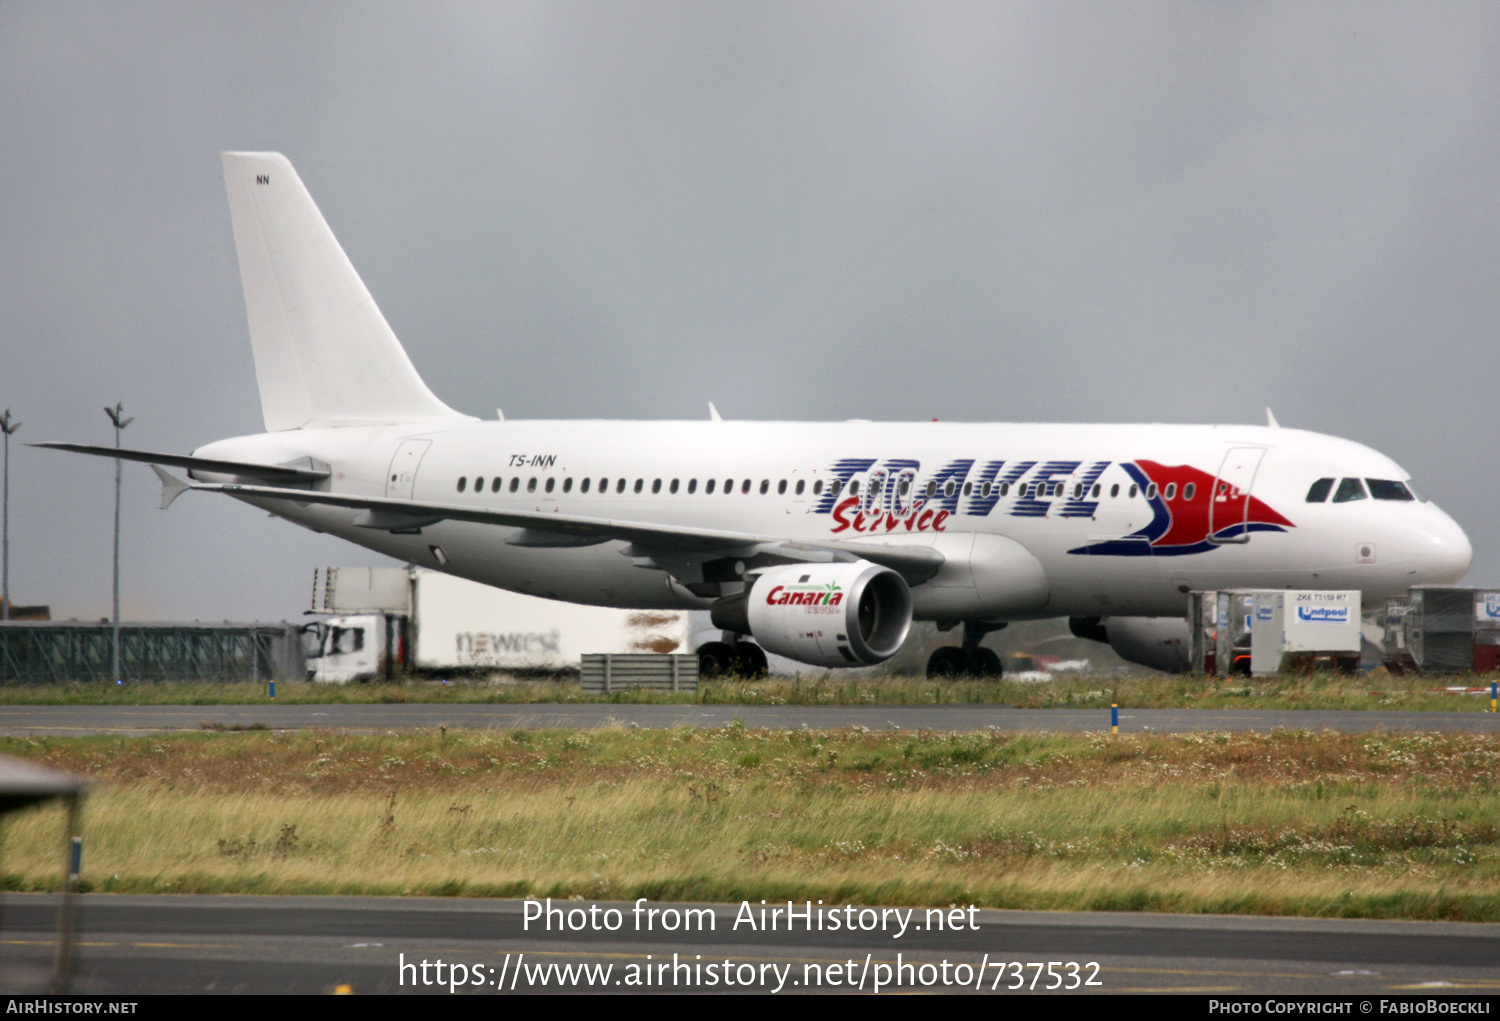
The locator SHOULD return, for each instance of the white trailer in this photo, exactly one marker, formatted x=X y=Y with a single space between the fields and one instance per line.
x=386 y=620
x=1304 y=624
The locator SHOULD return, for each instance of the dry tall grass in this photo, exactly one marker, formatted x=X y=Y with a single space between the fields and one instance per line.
x=1378 y=690
x=1386 y=825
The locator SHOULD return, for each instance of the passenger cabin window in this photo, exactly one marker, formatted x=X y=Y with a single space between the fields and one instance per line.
x=1114 y=490
x=765 y=486
x=781 y=488
x=550 y=483
x=639 y=484
x=656 y=486
x=838 y=485
x=1133 y=488
x=1388 y=489
x=1318 y=492
x=515 y=483
x=1151 y=491
x=479 y=483
x=692 y=486
x=800 y=484
x=673 y=487
x=931 y=489
x=1349 y=490
x=1171 y=491
x=818 y=488
x=620 y=486
x=531 y=484
x=568 y=484
x=728 y=486
x=495 y=485
x=708 y=487
x=584 y=486
x=745 y=486
x=463 y=482
x=949 y=488
x=854 y=487
x=1005 y=489
x=1188 y=491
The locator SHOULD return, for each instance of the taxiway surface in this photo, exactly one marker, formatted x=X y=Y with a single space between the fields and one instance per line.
x=78 y=719
x=235 y=944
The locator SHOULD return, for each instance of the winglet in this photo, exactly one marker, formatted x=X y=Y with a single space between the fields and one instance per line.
x=1271 y=420
x=713 y=413
x=171 y=486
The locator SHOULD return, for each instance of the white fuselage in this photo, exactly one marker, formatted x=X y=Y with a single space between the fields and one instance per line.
x=1110 y=554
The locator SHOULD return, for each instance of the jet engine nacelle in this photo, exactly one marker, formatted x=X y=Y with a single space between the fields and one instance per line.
x=1162 y=643
x=823 y=614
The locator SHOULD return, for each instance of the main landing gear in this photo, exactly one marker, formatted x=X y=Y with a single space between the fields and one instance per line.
x=717 y=660
x=969 y=659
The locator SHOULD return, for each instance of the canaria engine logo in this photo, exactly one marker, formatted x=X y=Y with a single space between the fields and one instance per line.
x=805 y=595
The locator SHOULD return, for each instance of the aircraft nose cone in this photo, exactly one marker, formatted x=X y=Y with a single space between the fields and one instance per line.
x=1441 y=554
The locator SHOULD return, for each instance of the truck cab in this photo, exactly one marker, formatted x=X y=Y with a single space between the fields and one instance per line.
x=356 y=647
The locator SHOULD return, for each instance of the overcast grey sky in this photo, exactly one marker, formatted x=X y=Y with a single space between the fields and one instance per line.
x=995 y=211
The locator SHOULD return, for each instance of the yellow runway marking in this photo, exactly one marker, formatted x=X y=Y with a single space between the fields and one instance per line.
x=1460 y=984
x=1197 y=971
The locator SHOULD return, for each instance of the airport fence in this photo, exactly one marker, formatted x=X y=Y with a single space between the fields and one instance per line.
x=58 y=652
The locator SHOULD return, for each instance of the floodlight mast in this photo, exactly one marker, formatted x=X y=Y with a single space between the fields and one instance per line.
x=7 y=427
x=117 y=416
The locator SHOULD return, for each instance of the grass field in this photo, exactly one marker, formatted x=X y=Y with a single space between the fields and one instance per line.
x=1377 y=690
x=1373 y=825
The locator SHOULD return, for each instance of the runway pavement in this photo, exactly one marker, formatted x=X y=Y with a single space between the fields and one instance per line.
x=233 y=944
x=73 y=719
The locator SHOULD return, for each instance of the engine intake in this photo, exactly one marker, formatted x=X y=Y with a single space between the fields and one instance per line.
x=823 y=614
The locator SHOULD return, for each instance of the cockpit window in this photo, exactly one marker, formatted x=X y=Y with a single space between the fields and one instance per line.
x=1349 y=489
x=1319 y=491
x=1389 y=489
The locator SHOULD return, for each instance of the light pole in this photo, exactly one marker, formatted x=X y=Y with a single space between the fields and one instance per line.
x=116 y=415
x=8 y=427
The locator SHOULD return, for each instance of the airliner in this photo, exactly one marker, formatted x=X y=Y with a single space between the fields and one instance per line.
x=818 y=541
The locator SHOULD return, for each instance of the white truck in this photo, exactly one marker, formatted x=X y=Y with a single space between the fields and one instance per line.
x=383 y=621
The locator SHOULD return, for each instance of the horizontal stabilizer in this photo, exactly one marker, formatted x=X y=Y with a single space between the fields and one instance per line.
x=171 y=486
x=272 y=473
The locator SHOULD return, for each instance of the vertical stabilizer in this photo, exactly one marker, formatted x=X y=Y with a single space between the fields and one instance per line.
x=324 y=355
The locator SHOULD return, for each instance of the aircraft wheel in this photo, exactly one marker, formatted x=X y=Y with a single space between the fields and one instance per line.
x=947 y=662
x=750 y=660
x=715 y=660
x=985 y=663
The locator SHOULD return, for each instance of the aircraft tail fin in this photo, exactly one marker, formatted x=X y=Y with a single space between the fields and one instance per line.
x=324 y=355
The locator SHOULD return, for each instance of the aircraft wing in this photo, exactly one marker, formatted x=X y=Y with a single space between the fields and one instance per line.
x=302 y=471
x=541 y=528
